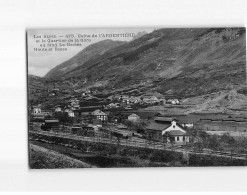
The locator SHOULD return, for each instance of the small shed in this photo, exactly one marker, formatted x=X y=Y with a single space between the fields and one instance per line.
x=133 y=117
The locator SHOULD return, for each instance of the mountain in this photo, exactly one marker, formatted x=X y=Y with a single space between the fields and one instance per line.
x=225 y=101
x=35 y=87
x=189 y=62
x=89 y=52
x=139 y=34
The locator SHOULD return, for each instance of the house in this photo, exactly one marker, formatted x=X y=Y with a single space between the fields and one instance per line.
x=121 y=126
x=171 y=98
x=39 y=117
x=75 y=129
x=110 y=98
x=173 y=101
x=167 y=130
x=150 y=99
x=125 y=99
x=98 y=114
x=113 y=105
x=36 y=110
x=70 y=112
x=134 y=100
x=133 y=117
x=58 y=109
x=88 y=127
x=186 y=121
x=50 y=124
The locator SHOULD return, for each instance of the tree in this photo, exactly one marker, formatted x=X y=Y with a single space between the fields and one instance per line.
x=63 y=117
x=203 y=135
x=226 y=138
x=213 y=142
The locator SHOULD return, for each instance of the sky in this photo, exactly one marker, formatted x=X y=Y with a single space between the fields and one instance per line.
x=40 y=62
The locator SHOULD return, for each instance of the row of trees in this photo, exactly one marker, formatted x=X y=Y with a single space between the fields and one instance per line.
x=225 y=142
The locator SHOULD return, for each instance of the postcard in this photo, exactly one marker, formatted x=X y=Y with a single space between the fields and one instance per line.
x=136 y=97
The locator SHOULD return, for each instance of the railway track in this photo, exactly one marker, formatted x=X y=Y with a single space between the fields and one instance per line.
x=141 y=143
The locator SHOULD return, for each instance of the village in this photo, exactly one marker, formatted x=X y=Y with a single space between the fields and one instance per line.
x=126 y=117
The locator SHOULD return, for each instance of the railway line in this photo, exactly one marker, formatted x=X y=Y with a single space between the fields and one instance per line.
x=141 y=143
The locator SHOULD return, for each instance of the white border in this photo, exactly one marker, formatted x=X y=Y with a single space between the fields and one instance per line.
x=18 y=15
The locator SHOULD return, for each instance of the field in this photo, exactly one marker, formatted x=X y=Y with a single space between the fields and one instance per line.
x=42 y=158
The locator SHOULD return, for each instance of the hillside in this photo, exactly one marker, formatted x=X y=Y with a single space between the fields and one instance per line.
x=189 y=62
x=36 y=88
x=223 y=101
x=89 y=52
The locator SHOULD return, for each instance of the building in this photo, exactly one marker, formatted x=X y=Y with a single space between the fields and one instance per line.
x=58 y=109
x=167 y=130
x=150 y=99
x=110 y=98
x=186 y=121
x=70 y=113
x=75 y=129
x=171 y=98
x=36 y=110
x=133 y=117
x=172 y=101
x=52 y=124
x=99 y=115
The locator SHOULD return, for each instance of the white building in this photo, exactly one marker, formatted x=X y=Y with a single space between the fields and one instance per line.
x=133 y=117
x=36 y=110
x=98 y=114
x=167 y=130
x=70 y=113
x=58 y=109
x=175 y=133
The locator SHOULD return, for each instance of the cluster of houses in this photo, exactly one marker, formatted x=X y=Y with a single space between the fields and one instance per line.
x=160 y=128
x=73 y=104
x=149 y=98
x=37 y=113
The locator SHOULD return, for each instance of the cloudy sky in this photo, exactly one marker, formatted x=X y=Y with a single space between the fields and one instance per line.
x=40 y=62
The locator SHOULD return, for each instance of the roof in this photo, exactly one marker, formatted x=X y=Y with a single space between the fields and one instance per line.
x=170 y=96
x=134 y=115
x=52 y=121
x=163 y=119
x=98 y=112
x=157 y=126
x=186 y=119
x=176 y=132
x=75 y=127
x=37 y=114
x=121 y=126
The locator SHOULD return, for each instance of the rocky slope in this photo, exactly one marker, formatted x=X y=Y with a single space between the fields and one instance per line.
x=89 y=52
x=189 y=62
x=223 y=101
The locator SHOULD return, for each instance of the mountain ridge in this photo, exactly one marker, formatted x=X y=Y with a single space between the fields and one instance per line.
x=189 y=62
x=89 y=52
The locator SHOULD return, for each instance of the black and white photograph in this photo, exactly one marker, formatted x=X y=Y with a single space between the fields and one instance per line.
x=129 y=96
x=136 y=97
